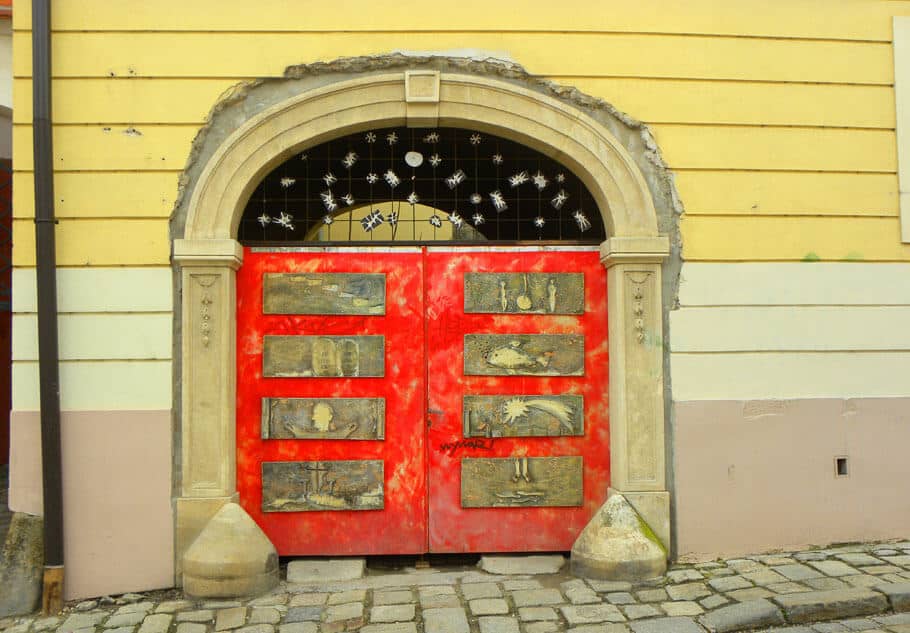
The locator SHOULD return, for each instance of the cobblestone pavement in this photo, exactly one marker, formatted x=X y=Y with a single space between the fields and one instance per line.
x=851 y=588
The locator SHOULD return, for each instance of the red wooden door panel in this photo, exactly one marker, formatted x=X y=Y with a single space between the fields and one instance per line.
x=400 y=526
x=453 y=528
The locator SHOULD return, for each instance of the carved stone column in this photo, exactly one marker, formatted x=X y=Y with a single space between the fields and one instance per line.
x=207 y=388
x=637 y=455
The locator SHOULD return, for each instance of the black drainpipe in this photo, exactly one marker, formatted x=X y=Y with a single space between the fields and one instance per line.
x=46 y=276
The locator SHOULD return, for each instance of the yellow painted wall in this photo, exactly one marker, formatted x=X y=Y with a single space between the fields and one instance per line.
x=776 y=118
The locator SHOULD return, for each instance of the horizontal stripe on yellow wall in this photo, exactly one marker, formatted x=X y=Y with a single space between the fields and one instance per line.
x=793 y=284
x=737 y=102
x=97 y=147
x=762 y=376
x=99 y=336
x=616 y=55
x=83 y=290
x=867 y=20
x=702 y=147
x=135 y=100
x=792 y=239
x=115 y=100
x=788 y=328
x=129 y=194
x=98 y=243
x=798 y=193
x=98 y=385
x=153 y=147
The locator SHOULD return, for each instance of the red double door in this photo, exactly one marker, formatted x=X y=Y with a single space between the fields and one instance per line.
x=419 y=421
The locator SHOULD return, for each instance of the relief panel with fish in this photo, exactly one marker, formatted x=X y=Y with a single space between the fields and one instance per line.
x=524 y=354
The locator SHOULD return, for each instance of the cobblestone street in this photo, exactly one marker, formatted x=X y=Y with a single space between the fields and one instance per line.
x=849 y=588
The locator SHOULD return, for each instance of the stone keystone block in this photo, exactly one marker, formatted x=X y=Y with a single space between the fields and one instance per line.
x=898 y=594
x=831 y=605
x=617 y=544
x=743 y=615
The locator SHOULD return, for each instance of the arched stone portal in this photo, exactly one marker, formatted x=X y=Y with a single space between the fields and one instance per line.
x=206 y=256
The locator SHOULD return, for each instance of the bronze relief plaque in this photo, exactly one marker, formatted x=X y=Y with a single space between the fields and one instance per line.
x=320 y=356
x=323 y=293
x=524 y=354
x=524 y=293
x=330 y=485
x=523 y=416
x=323 y=418
x=521 y=482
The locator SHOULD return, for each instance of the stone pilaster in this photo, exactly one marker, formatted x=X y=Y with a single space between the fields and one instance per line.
x=208 y=386
x=637 y=454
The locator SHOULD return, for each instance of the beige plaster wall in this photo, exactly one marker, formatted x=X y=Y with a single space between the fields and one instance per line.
x=759 y=475
x=118 y=526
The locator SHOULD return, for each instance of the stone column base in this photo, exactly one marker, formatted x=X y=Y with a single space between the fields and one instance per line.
x=617 y=544
x=230 y=558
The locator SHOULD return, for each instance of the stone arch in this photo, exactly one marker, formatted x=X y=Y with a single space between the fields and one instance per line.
x=206 y=253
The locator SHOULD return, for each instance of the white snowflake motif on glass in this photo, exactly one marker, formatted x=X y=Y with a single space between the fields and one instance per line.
x=303 y=157
x=435 y=160
x=539 y=222
x=392 y=218
x=519 y=179
x=582 y=221
x=497 y=159
x=559 y=199
x=348 y=199
x=499 y=203
x=560 y=177
x=328 y=200
x=372 y=178
x=478 y=219
x=392 y=178
x=287 y=182
x=265 y=219
x=391 y=138
x=413 y=198
x=436 y=221
x=329 y=179
x=475 y=139
x=455 y=179
x=349 y=159
x=370 y=137
x=540 y=181
x=432 y=137
x=456 y=219
x=371 y=220
x=327 y=219
x=476 y=198
x=285 y=220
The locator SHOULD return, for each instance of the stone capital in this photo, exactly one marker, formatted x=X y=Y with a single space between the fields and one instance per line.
x=634 y=250
x=211 y=253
